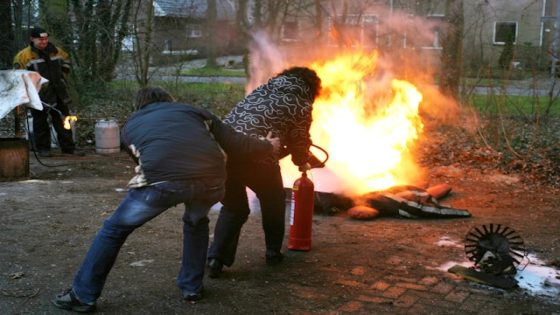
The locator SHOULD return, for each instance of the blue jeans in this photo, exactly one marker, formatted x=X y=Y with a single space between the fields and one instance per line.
x=140 y=206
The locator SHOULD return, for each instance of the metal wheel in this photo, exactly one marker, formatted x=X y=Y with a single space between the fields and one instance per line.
x=495 y=248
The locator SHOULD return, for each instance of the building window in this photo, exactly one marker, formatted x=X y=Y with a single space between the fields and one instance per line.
x=505 y=32
x=194 y=31
x=435 y=42
x=355 y=29
x=370 y=33
x=167 y=45
x=128 y=43
x=290 y=31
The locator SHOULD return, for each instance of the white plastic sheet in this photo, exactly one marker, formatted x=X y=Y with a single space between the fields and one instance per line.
x=19 y=87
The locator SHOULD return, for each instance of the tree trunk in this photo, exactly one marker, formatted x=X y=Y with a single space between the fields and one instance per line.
x=211 y=40
x=452 y=52
x=96 y=32
x=319 y=19
x=7 y=49
x=114 y=16
x=243 y=32
x=19 y=40
x=85 y=31
x=144 y=51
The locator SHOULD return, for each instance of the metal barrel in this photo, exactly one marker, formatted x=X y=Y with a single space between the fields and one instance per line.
x=107 y=136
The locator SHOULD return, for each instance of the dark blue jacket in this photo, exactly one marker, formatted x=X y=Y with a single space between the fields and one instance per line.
x=174 y=142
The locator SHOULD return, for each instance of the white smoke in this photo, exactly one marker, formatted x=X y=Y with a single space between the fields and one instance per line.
x=400 y=39
x=265 y=60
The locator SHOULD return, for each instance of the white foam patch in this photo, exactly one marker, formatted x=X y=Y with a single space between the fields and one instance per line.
x=536 y=278
x=450 y=264
x=254 y=204
x=446 y=241
x=539 y=279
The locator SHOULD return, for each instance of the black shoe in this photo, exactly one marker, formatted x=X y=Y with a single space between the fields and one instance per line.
x=214 y=268
x=45 y=154
x=192 y=297
x=273 y=257
x=67 y=300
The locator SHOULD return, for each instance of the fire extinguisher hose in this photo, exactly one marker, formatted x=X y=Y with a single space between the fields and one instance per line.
x=314 y=161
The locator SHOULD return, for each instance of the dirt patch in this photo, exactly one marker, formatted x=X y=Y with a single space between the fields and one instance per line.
x=384 y=265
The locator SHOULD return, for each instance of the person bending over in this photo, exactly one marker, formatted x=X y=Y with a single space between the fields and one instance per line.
x=179 y=150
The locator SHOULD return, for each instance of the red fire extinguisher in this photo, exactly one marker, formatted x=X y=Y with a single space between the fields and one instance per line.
x=301 y=215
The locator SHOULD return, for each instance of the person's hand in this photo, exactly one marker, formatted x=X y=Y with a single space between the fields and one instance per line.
x=275 y=141
x=304 y=168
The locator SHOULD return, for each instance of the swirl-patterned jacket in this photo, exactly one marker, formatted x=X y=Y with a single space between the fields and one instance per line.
x=283 y=105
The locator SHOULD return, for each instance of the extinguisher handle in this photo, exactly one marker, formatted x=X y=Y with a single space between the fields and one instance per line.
x=314 y=161
x=304 y=167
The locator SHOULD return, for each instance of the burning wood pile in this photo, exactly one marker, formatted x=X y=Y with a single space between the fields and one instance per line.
x=368 y=120
x=403 y=201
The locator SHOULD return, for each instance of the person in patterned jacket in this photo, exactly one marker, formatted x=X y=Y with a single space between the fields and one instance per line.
x=52 y=63
x=283 y=106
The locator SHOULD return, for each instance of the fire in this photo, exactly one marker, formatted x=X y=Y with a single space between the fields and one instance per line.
x=366 y=125
x=68 y=120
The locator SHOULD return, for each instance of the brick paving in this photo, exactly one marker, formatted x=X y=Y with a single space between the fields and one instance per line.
x=383 y=266
x=363 y=274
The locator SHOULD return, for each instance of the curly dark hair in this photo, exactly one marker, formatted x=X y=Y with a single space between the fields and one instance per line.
x=150 y=95
x=306 y=74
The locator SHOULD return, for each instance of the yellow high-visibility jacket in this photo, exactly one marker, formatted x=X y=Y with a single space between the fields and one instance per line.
x=52 y=63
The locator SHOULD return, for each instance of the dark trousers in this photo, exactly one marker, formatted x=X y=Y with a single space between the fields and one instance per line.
x=266 y=182
x=42 y=131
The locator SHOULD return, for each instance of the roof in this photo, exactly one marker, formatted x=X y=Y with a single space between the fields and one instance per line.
x=193 y=8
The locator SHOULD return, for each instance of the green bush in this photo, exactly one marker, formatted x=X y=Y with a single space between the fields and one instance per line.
x=116 y=101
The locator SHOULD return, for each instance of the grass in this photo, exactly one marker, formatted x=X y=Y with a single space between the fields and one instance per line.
x=213 y=72
x=496 y=77
x=515 y=105
x=218 y=98
x=486 y=82
x=116 y=100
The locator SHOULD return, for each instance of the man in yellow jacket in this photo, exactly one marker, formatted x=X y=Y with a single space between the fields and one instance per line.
x=52 y=63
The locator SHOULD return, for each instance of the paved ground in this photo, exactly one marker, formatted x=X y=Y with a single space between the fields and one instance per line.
x=389 y=265
x=384 y=266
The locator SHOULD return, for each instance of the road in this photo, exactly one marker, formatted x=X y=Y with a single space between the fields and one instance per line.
x=520 y=88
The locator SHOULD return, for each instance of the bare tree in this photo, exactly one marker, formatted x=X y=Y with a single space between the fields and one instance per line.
x=98 y=28
x=22 y=15
x=318 y=19
x=211 y=16
x=54 y=17
x=452 y=44
x=143 y=30
x=7 y=48
x=268 y=14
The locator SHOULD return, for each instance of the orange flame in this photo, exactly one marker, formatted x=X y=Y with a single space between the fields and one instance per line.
x=68 y=120
x=366 y=127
